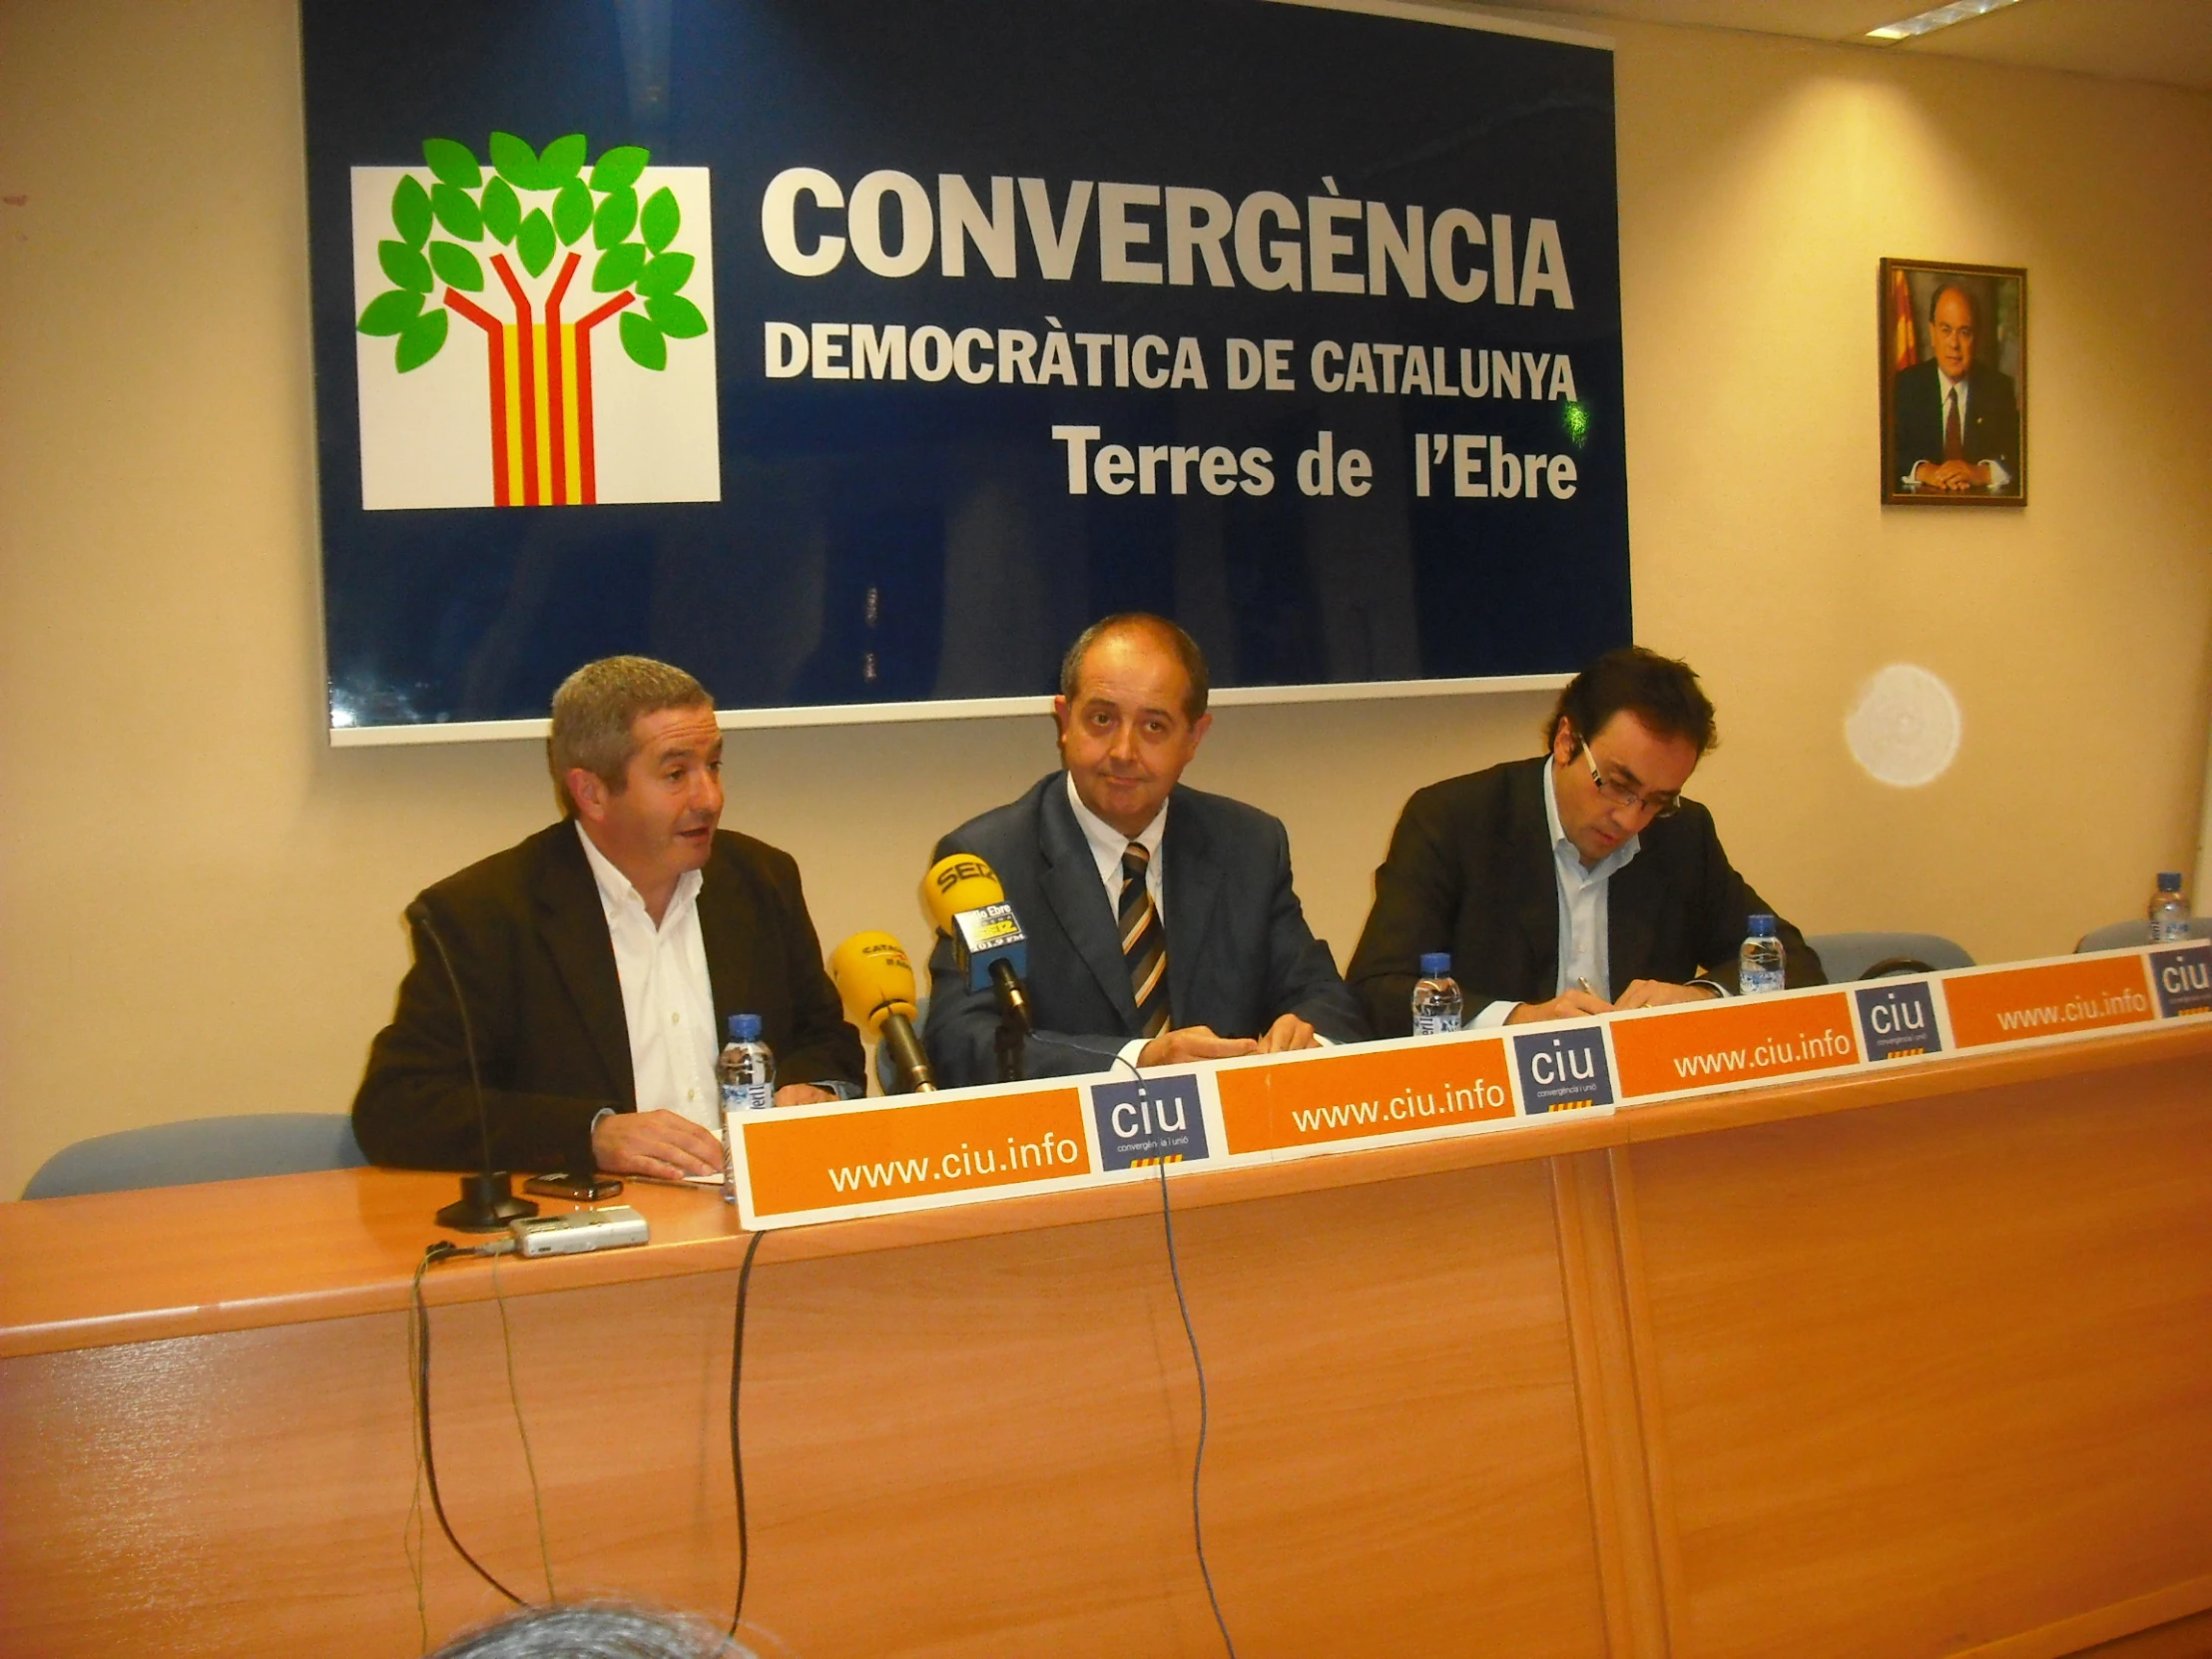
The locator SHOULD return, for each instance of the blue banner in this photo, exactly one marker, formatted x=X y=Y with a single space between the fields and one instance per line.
x=852 y=353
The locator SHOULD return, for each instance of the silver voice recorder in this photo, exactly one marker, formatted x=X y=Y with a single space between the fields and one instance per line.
x=578 y=1230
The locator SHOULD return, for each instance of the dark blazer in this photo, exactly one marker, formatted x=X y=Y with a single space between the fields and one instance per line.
x=529 y=944
x=1470 y=872
x=1992 y=426
x=1240 y=954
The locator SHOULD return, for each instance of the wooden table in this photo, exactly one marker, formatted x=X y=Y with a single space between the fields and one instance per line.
x=1917 y=1362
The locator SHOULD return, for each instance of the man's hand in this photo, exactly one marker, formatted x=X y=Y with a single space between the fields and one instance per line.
x=1288 y=1033
x=1567 y=1005
x=1953 y=475
x=1658 y=993
x=802 y=1094
x=1198 y=1042
x=666 y=1144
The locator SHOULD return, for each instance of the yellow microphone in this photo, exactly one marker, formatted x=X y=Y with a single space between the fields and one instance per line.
x=965 y=903
x=875 y=981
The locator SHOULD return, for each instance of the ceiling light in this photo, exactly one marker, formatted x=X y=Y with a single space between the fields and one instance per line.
x=1939 y=17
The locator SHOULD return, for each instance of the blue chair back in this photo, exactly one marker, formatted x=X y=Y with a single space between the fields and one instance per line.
x=1848 y=956
x=2121 y=935
x=200 y=1148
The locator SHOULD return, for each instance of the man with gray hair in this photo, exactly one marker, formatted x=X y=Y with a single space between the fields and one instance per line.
x=601 y=958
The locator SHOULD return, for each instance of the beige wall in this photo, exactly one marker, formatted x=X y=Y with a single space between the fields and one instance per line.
x=199 y=900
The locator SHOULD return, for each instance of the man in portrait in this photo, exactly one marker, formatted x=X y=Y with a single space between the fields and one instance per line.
x=1956 y=418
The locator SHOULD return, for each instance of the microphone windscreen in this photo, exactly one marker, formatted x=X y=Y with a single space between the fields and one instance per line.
x=956 y=883
x=873 y=979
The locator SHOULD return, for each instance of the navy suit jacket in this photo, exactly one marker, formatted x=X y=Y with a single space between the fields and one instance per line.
x=529 y=942
x=1470 y=872
x=1240 y=954
x=1991 y=432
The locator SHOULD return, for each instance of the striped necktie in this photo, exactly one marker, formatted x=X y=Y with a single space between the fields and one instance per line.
x=1144 y=943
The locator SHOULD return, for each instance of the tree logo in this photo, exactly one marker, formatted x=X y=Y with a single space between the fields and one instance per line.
x=535 y=256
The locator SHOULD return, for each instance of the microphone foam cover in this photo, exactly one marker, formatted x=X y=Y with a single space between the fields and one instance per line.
x=959 y=883
x=873 y=979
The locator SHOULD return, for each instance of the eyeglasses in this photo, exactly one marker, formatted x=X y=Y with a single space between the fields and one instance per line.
x=1620 y=795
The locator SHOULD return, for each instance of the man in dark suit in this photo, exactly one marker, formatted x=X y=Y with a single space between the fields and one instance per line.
x=1576 y=883
x=1956 y=422
x=601 y=958
x=1161 y=921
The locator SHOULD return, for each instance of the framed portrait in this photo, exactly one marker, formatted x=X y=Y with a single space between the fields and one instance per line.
x=1954 y=344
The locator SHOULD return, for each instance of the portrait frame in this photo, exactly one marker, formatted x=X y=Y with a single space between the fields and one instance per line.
x=1950 y=333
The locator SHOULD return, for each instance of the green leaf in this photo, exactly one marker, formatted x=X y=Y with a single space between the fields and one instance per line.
x=457 y=212
x=619 y=168
x=659 y=219
x=389 y=312
x=647 y=345
x=502 y=212
x=665 y=275
x=562 y=161
x=572 y=211
x=454 y=163
x=407 y=267
x=616 y=219
x=410 y=210
x=420 y=339
x=678 y=317
x=618 y=268
x=534 y=242
x=456 y=267
x=517 y=162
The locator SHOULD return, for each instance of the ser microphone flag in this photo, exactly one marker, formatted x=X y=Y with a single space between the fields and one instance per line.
x=875 y=981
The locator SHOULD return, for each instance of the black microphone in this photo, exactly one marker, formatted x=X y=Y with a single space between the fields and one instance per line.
x=487 y=1202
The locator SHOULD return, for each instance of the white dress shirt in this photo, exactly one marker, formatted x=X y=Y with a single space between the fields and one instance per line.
x=668 y=1000
x=1585 y=910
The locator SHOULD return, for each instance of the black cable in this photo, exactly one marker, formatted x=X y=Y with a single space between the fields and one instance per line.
x=1197 y=1364
x=522 y=1430
x=439 y=1253
x=1198 y=1463
x=736 y=1453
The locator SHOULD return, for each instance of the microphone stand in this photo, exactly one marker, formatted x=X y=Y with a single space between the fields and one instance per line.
x=1013 y=1021
x=487 y=1202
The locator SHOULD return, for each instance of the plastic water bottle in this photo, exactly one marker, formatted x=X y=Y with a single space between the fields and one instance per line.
x=2169 y=909
x=747 y=1071
x=1758 y=962
x=1436 y=1000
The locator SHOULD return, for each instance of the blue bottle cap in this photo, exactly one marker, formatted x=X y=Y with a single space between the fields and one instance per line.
x=1762 y=926
x=1435 y=964
x=745 y=1028
x=2169 y=881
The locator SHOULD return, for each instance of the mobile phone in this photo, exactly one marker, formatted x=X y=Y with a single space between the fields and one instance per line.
x=587 y=1187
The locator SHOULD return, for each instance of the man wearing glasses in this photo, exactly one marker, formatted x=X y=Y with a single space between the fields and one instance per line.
x=1576 y=883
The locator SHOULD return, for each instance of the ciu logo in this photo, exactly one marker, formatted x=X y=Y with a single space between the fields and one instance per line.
x=1562 y=1066
x=2179 y=979
x=1896 y=1015
x=1169 y=1115
x=588 y=284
